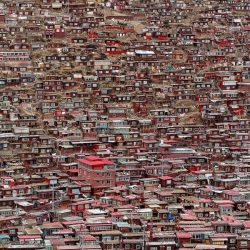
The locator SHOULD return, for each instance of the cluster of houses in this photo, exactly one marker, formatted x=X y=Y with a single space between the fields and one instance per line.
x=125 y=124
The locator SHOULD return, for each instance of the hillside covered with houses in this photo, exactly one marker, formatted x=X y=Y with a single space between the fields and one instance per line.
x=125 y=124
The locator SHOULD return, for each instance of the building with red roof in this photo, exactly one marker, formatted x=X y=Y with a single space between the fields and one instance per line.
x=99 y=172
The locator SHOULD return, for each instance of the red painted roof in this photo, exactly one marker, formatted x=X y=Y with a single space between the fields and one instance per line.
x=246 y=224
x=117 y=214
x=95 y=161
x=88 y=238
x=27 y=237
x=182 y=235
x=166 y=177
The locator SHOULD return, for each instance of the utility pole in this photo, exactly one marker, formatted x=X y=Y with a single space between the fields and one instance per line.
x=144 y=237
x=112 y=247
x=132 y=224
x=52 y=210
x=161 y=168
x=53 y=198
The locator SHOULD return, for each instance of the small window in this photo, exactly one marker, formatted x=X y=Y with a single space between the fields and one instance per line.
x=243 y=243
